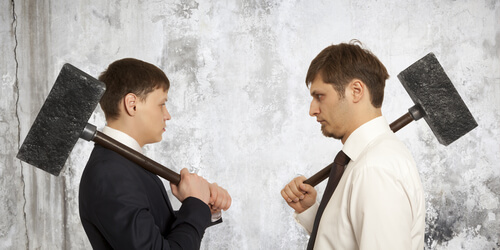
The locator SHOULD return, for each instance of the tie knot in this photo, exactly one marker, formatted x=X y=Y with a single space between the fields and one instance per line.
x=341 y=159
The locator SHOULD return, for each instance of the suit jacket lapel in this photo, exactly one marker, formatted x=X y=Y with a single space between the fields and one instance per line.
x=163 y=191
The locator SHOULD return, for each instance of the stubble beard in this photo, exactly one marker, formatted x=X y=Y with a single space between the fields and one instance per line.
x=328 y=133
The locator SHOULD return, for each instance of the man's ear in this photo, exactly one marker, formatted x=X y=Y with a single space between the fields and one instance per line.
x=130 y=102
x=357 y=90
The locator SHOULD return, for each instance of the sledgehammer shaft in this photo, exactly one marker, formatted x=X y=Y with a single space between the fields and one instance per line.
x=323 y=173
x=90 y=133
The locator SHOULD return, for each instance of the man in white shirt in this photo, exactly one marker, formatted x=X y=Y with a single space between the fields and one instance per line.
x=379 y=200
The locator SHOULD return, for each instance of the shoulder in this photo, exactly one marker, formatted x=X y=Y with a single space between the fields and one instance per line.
x=106 y=168
x=386 y=169
x=114 y=162
x=101 y=155
x=387 y=148
x=386 y=153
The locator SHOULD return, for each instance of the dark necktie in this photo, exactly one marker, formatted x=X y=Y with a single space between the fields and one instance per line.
x=333 y=180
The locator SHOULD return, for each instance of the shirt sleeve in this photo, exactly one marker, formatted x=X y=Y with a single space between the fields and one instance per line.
x=306 y=218
x=380 y=210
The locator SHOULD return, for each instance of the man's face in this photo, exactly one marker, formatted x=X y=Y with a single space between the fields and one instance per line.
x=151 y=116
x=329 y=108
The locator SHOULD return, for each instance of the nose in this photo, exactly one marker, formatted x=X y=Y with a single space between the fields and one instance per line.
x=166 y=114
x=314 y=108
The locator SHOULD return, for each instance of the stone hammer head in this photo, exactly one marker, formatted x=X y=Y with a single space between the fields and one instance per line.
x=443 y=108
x=61 y=120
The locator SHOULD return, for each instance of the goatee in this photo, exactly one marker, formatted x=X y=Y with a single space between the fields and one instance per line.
x=327 y=133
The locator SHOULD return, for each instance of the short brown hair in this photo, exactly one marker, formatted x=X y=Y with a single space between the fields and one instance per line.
x=129 y=75
x=340 y=64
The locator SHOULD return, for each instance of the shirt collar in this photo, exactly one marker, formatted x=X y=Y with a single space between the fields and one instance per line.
x=123 y=138
x=363 y=135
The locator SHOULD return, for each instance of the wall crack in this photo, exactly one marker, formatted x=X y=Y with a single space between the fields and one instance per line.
x=16 y=91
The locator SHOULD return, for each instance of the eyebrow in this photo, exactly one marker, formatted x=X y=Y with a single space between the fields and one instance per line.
x=314 y=92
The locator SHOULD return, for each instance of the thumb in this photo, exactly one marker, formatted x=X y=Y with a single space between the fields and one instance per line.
x=184 y=171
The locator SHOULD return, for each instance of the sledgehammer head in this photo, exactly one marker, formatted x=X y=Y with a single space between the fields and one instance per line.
x=444 y=110
x=61 y=119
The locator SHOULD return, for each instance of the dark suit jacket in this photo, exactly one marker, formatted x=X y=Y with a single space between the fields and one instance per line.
x=123 y=206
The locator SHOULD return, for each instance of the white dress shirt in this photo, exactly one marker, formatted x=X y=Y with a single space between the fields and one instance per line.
x=379 y=202
x=122 y=137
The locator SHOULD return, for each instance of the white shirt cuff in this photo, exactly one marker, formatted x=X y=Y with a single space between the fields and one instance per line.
x=306 y=218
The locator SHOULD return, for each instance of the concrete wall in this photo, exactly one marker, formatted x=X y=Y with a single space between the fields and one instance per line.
x=239 y=105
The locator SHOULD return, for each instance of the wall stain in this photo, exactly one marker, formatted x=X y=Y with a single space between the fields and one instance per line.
x=186 y=51
x=258 y=7
x=453 y=217
x=185 y=8
x=112 y=19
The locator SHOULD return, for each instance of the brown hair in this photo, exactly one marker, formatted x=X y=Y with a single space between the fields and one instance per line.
x=129 y=75
x=340 y=64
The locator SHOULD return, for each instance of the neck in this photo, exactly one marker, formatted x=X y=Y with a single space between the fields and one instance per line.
x=125 y=127
x=363 y=116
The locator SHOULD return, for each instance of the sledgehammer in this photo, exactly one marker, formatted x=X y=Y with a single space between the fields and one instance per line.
x=63 y=119
x=436 y=100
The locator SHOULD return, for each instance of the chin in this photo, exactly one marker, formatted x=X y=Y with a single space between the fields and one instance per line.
x=329 y=133
x=155 y=140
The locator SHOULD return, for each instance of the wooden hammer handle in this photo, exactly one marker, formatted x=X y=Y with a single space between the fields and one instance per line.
x=323 y=173
x=142 y=160
x=319 y=176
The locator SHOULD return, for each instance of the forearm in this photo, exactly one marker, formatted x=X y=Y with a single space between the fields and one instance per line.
x=189 y=227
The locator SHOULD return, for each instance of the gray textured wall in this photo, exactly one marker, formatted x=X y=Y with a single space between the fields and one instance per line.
x=240 y=107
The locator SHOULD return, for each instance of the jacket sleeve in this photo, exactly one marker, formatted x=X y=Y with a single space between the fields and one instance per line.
x=118 y=206
x=189 y=226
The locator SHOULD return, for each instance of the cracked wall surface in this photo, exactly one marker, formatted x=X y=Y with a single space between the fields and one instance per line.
x=239 y=106
x=12 y=227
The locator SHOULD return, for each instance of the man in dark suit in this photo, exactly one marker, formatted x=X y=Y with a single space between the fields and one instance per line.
x=122 y=205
